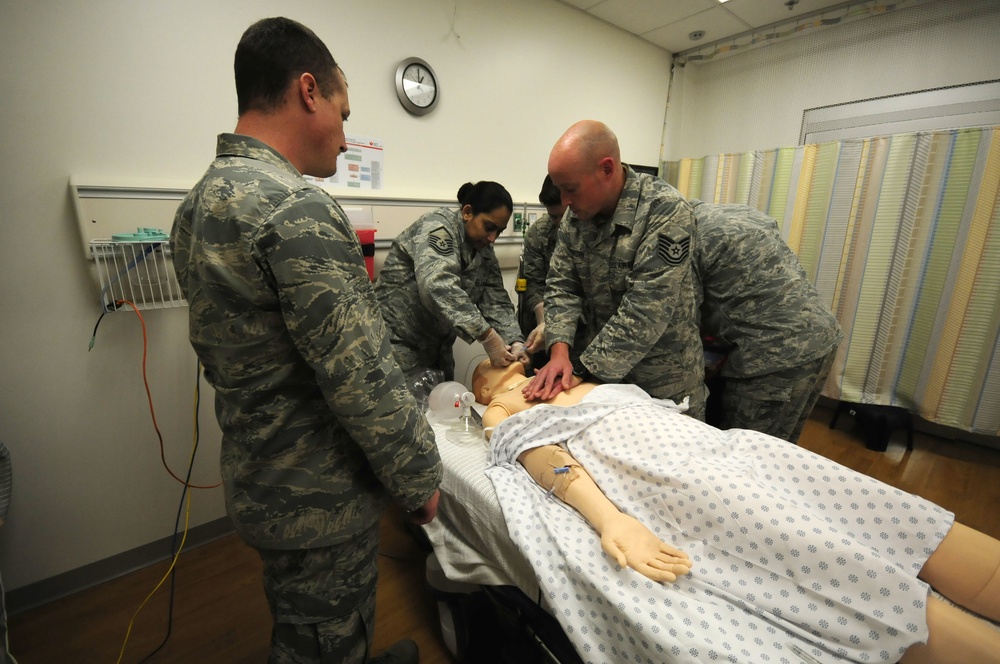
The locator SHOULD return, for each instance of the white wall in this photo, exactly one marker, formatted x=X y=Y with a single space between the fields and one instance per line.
x=755 y=99
x=119 y=91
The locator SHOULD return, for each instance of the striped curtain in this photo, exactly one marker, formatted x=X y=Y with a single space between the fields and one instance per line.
x=901 y=236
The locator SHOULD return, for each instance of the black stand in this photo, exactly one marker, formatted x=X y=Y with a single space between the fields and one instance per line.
x=877 y=423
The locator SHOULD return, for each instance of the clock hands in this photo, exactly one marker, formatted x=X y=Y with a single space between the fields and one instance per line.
x=416 y=86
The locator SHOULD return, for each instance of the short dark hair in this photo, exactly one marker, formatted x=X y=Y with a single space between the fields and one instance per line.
x=549 y=195
x=484 y=196
x=273 y=52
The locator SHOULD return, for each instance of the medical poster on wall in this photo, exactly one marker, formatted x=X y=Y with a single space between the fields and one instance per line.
x=358 y=168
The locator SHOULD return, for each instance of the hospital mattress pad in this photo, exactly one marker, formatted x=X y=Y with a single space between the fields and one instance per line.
x=469 y=535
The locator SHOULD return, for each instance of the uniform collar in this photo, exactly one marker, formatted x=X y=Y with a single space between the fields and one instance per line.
x=624 y=214
x=238 y=145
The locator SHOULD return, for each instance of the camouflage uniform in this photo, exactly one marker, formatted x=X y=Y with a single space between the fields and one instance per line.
x=435 y=287
x=318 y=428
x=539 y=245
x=631 y=278
x=758 y=298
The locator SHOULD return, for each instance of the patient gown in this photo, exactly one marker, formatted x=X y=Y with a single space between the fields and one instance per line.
x=796 y=558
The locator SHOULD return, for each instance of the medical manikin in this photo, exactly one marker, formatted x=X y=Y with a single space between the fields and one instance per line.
x=965 y=566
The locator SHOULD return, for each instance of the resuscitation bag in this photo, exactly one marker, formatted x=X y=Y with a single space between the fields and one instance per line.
x=449 y=399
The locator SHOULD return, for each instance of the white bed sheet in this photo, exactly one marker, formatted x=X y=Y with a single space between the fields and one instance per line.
x=469 y=535
x=761 y=520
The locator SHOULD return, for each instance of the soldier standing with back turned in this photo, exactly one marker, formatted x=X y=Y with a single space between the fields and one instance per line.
x=757 y=298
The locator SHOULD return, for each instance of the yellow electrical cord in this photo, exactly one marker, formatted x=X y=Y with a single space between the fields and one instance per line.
x=187 y=487
x=128 y=632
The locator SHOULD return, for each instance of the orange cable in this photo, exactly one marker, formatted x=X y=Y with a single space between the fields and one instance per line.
x=149 y=397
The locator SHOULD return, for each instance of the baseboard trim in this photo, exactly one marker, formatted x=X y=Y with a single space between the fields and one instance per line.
x=48 y=590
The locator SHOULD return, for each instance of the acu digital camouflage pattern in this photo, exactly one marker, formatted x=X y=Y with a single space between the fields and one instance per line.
x=435 y=287
x=631 y=278
x=758 y=298
x=756 y=295
x=318 y=426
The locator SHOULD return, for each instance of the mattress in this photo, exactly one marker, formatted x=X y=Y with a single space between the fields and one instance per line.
x=469 y=534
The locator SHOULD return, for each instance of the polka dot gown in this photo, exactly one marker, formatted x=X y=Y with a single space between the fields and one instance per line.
x=796 y=558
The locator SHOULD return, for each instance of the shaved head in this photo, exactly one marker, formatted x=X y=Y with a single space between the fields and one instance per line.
x=587 y=141
x=585 y=164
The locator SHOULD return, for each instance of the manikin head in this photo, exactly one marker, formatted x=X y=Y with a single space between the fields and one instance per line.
x=488 y=382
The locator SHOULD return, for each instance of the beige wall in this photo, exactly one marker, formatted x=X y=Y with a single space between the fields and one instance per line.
x=124 y=91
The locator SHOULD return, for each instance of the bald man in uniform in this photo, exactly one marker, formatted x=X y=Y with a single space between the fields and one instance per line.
x=623 y=262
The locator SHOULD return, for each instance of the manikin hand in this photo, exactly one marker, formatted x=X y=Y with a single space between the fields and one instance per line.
x=630 y=543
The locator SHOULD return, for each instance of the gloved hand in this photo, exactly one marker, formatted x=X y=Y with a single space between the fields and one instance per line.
x=499 y=352
x=536 y=340
x=520 y=353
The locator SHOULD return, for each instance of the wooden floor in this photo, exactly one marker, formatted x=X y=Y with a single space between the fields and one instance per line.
x=220 y=615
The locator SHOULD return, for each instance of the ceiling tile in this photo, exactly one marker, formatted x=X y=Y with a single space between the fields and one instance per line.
x=667 y=23
x=638 y=16
x=758 y=13
x=717 y=23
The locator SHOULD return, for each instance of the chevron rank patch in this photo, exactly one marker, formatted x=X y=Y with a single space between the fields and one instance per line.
x=441 y=243
x=673 y=251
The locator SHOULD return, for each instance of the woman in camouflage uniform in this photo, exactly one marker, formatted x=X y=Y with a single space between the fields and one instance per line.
x=441 y=280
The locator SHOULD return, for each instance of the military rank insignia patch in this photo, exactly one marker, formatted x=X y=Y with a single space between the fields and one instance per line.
x=673 y=251
x=441 y=243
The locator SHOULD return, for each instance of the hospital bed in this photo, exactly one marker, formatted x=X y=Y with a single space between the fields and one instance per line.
x=474 y=562
x=474 y=552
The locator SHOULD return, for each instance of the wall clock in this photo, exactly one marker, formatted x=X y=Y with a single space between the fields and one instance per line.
x=417 y=86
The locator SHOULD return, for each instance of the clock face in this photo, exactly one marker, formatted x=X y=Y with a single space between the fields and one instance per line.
x=417 y=86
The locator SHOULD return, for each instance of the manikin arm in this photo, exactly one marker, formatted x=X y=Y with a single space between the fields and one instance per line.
x=623 y=537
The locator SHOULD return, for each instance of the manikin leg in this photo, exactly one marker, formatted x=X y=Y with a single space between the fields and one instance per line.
x=965 y=568
x=955 y=636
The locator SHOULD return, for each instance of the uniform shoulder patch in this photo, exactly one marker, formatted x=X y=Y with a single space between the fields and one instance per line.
x=673 y=251
x=441 y=242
